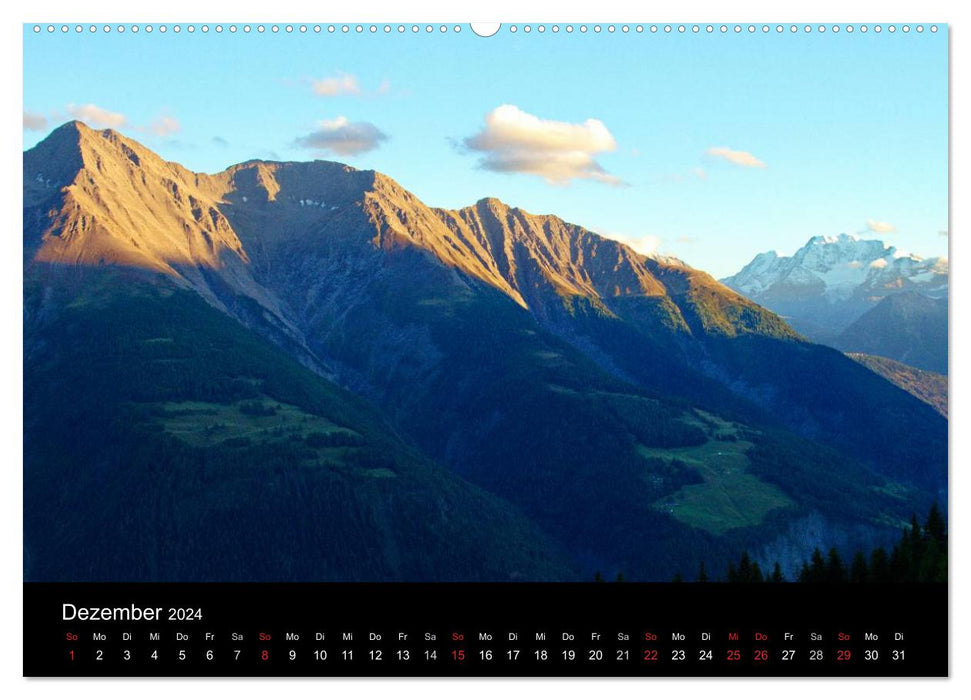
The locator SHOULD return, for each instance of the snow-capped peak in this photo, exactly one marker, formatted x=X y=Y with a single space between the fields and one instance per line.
x=842 y=238
x=839 y=267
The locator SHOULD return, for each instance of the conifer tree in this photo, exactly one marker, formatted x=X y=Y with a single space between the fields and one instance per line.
x=835 y=571
x=745 y=568
x=933 y=565
x=879 y=566
x=901 y=559
x=858 y=569
x=919 y=556
x=916 y=549
x=757 y=573
x=935 y=528
x=817 y=567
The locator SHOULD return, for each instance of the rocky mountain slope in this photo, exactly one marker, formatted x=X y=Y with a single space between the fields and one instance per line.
x=929 y=387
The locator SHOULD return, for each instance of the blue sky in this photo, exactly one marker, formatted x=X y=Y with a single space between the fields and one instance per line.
x=710 y=147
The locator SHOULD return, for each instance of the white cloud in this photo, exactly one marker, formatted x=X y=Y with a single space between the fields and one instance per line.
x=879 y=263
x=95 y=116
x=100 y=118
x=742 y=158
x=343 y=137
x=341 y=84
x=165 y=126
x=646 y=244
x=514 y=141
x=34 y=121
x=879 y=226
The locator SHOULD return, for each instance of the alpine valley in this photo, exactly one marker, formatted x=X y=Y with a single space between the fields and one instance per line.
x=300 y=371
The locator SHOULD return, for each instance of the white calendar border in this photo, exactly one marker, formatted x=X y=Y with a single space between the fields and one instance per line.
x=707 y=11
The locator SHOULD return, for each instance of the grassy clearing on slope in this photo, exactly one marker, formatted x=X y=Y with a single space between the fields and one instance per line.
x=243 y=424
x=203 y=424
x=730 y=496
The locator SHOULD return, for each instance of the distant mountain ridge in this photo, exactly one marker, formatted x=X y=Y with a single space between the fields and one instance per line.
x=839 y=268
x=588 y=388
x=832 y=281
x=907 y=327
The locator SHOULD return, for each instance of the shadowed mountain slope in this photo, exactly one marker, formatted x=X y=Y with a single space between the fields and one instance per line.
x=907 y=327
x=165 y=442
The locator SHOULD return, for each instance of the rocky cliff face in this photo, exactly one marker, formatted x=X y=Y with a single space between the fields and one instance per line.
x=107 y=200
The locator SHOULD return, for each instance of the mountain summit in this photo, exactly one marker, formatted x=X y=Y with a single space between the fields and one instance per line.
x=117 y=203
x=839 y=268
x=833 y=280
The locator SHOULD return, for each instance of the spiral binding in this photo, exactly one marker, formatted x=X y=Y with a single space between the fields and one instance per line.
x=512 y=28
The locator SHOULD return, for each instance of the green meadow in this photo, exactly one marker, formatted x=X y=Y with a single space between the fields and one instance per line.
x=729 y=495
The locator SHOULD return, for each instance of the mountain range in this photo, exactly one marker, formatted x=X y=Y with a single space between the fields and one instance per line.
x=300 y=371
x=907 y=327
x=858 y=295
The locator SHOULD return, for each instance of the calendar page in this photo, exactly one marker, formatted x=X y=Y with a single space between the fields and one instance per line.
x=543 y=349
